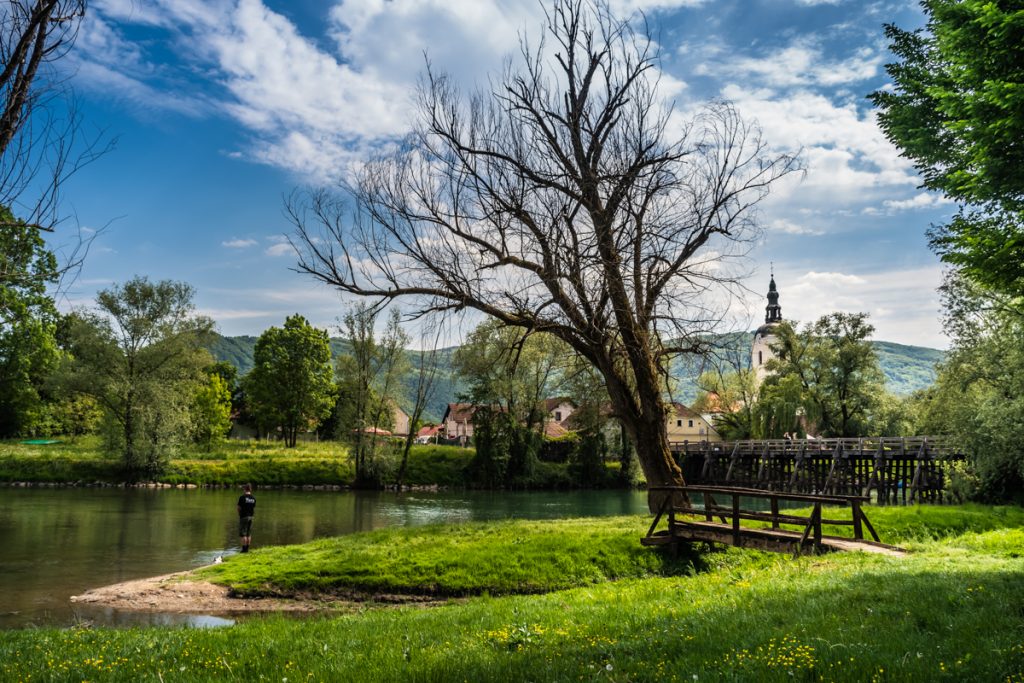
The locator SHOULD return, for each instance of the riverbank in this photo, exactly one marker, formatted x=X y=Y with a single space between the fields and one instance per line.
x=950 y=610
x=325 y=464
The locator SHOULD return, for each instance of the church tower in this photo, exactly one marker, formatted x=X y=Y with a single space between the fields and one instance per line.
x=764 y=337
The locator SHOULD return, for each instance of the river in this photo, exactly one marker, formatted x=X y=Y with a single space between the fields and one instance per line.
x=55 y=543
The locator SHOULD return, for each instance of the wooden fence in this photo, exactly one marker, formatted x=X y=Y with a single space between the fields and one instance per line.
x=897 y=470
x=689 y=522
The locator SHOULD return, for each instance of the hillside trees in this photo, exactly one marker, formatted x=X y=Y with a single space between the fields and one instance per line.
x=566 y=200
x=140 y=355
x=290 y=387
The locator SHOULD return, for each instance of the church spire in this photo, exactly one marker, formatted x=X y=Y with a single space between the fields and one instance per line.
x=773 y=311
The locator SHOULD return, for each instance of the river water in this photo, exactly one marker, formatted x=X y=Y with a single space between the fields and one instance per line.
x=55 y=543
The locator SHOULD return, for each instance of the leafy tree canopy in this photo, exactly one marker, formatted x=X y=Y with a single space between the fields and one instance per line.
x=827 y=372
x=140 y=355
x=978 y=398
x=957 y=111
x=291 y=385
x=958 y=106
x=28 y=349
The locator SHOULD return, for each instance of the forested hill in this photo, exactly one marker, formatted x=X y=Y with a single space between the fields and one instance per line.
x=906 y=368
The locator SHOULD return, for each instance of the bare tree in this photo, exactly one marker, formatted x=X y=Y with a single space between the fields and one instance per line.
x=569 y=199
x=426 y=374
x=40 y=141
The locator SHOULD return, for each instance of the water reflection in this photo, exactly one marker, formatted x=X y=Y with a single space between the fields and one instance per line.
x=61 y=542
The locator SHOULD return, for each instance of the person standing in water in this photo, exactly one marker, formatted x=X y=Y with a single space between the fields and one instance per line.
x=246 y=508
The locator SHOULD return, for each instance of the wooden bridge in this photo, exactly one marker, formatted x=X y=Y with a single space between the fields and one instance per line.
x=689 y=522
x=897 y=470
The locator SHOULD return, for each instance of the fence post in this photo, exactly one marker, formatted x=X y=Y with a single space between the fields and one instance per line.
x=858 y=532
x=736 y=519
x=817 y=527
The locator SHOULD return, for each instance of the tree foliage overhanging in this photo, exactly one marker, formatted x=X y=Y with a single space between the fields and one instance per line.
x=957 y=111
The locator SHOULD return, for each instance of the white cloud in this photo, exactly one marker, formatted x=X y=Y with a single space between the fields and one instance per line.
x=903 y=304
x=924 y=200
x=280 y=249
x=239 y=243
x=801 y=63
x=791 y=228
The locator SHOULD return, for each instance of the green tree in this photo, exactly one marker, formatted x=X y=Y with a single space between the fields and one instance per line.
x=827 y=373
x=368 y=388
x=28 y=317
x=211 y=411
x=957 y=111
x=978 y=396
x=591 y=419
x=730 y=394
x=511 y=373
x=141 y=355
x=290 y=386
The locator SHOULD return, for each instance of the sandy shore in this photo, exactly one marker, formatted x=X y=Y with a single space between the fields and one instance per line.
x=180 y=593
x=177 y=593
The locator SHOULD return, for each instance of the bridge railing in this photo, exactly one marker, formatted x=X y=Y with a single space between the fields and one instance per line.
x=677 y=501
x=894 y=469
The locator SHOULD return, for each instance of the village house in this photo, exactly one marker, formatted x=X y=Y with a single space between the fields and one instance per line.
x=457 y=422
x=686 y=425
x=683 y=424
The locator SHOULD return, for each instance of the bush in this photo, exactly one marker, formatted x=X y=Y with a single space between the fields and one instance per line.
x=558 y=449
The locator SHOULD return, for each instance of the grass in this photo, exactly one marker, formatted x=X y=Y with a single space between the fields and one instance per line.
x=953 y=610
x=235 y=462
x=496 y=558
x=232 y=462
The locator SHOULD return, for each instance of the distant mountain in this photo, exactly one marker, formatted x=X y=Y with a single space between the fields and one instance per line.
x=906 y=368
x=239 y=352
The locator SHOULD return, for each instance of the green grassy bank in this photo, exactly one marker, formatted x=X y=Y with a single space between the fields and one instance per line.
x=952 y=610
x=234 y=462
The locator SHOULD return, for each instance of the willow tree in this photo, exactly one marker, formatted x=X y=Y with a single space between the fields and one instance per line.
x=569 y=199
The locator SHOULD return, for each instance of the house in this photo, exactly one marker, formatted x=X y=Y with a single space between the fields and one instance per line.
x=401 y=421
x=686 y=425
x=458 y=419
x=429 y=433
x=457 y=422
x=559 y=409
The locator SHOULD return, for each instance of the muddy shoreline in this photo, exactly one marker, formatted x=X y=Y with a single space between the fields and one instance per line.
x=181 y=593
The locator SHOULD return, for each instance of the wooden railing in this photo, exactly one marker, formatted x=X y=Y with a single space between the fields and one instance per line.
x=677 y=503
x=894 y=469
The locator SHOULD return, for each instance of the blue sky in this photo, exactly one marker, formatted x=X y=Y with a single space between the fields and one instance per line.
x=222 y=108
